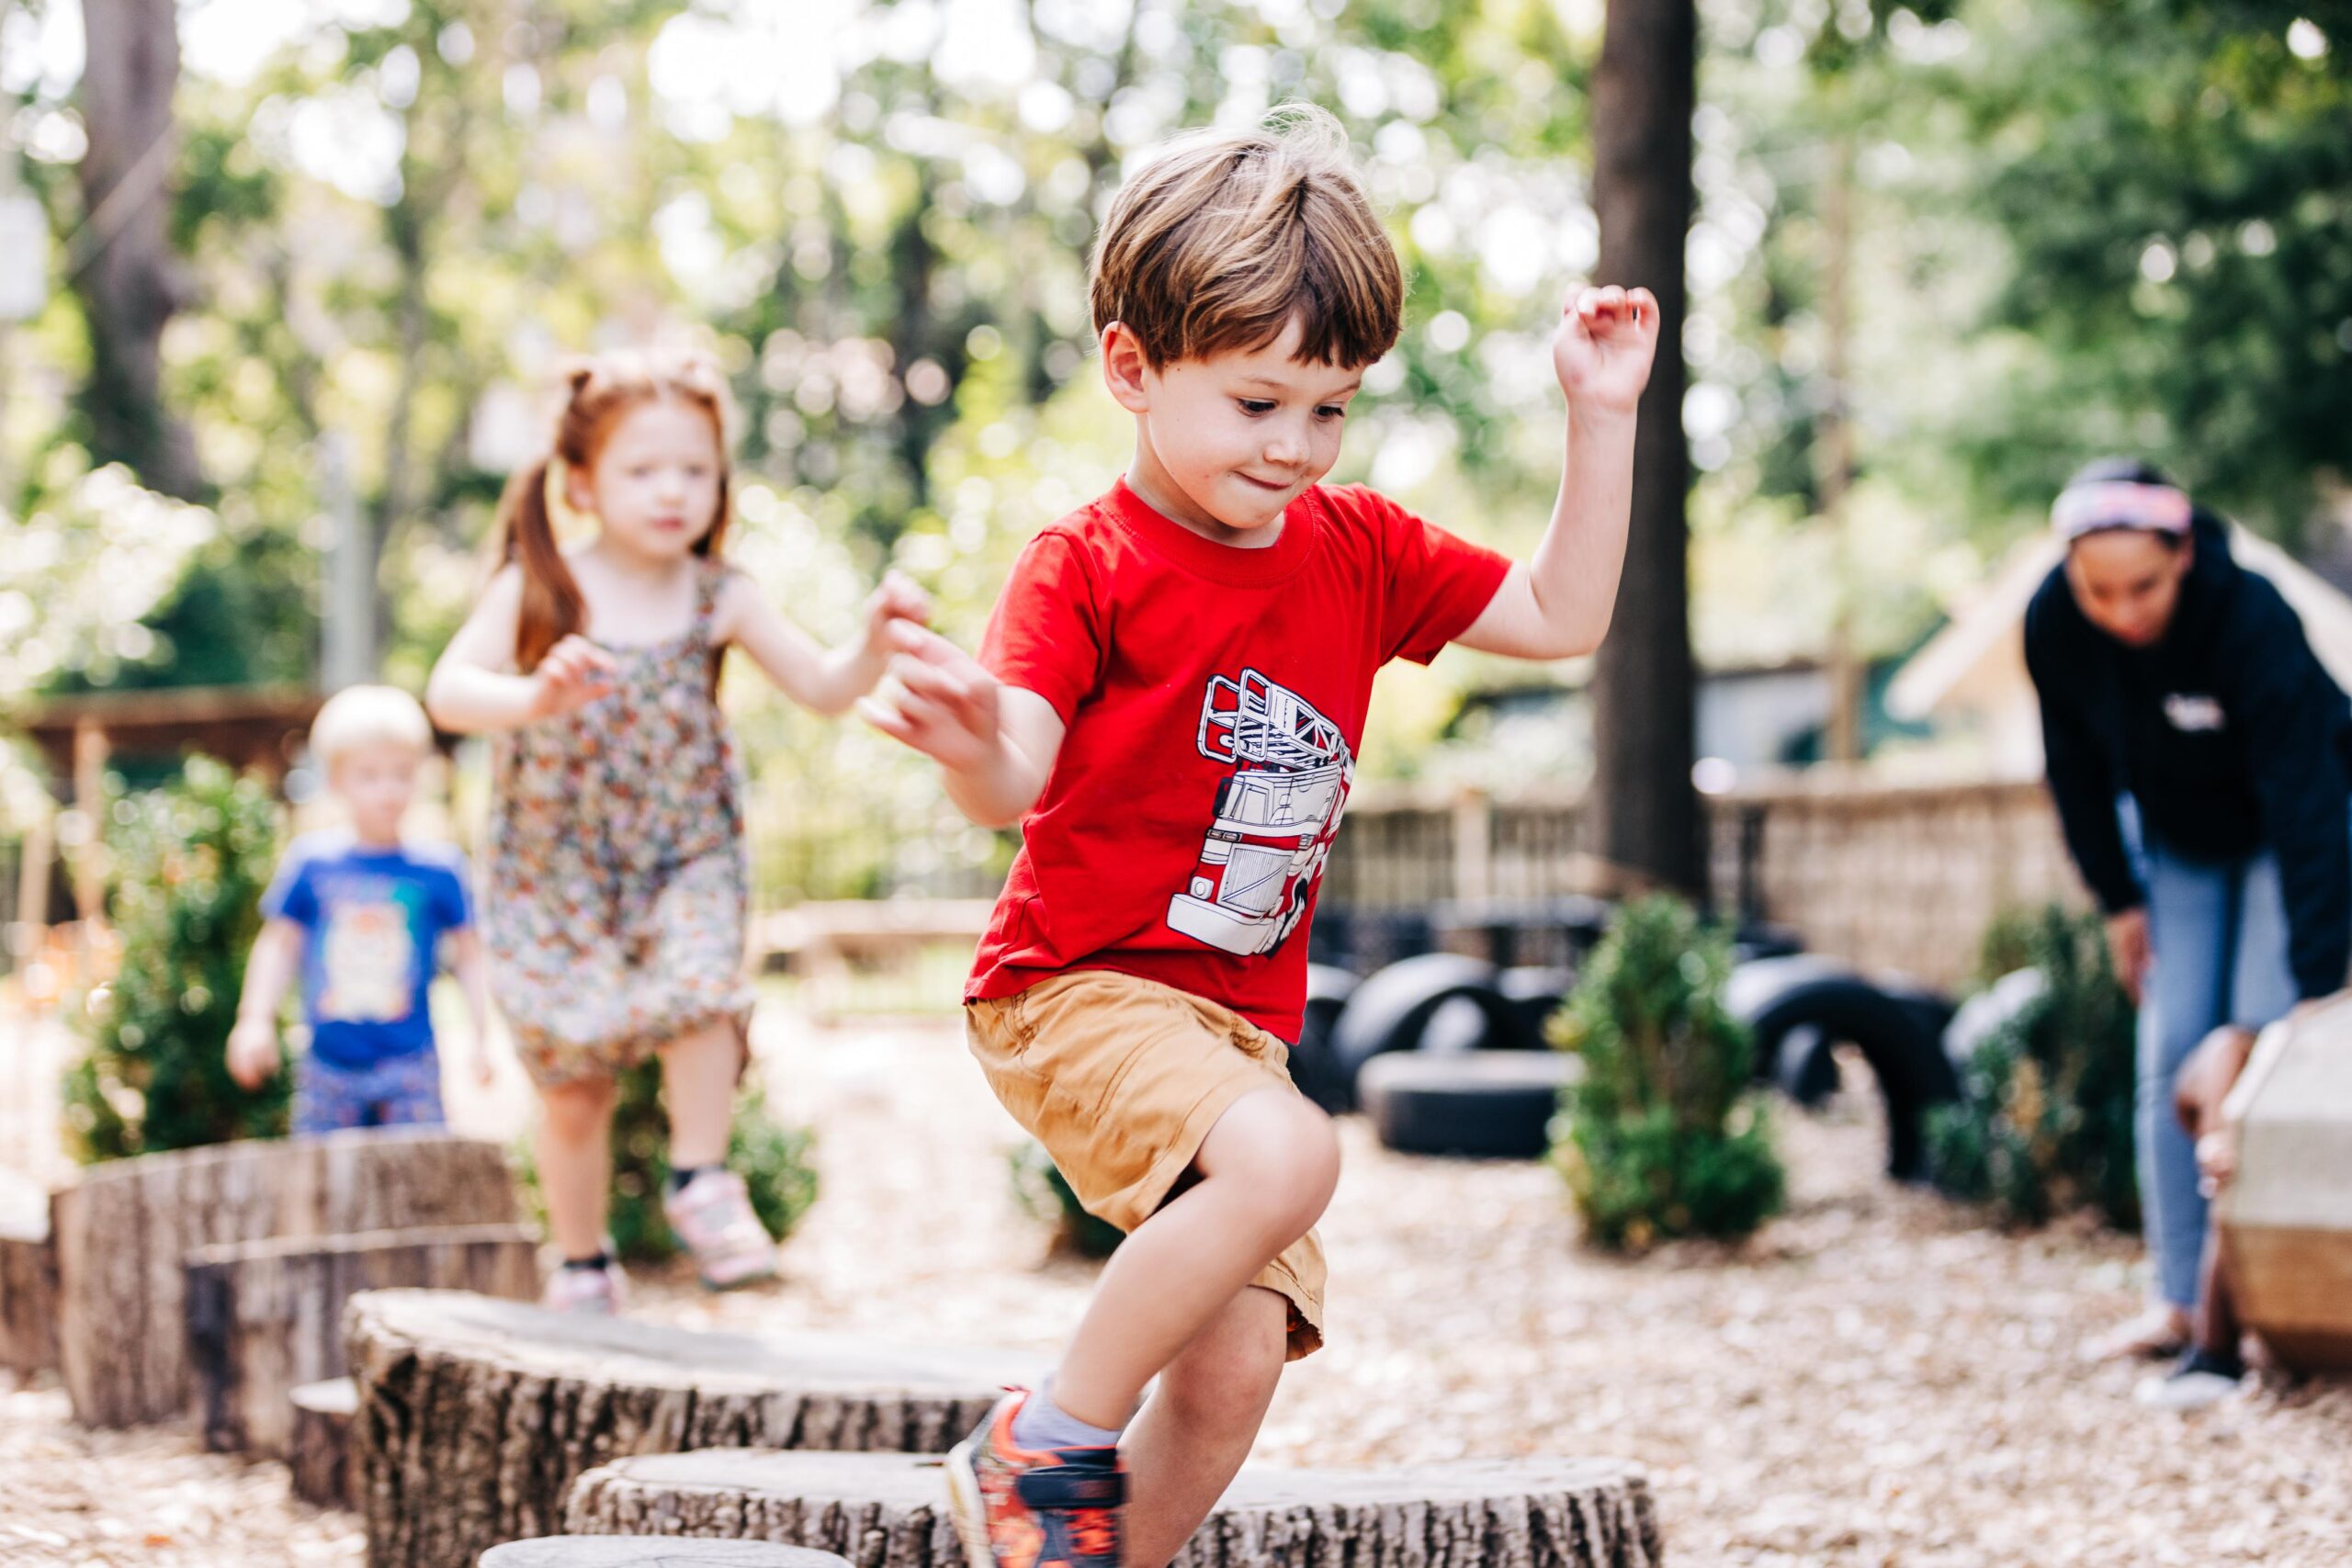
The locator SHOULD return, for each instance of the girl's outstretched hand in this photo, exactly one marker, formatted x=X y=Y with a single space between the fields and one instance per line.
x=574 y=674
x=898 y=599
x=1603 y=348
x=936 y=698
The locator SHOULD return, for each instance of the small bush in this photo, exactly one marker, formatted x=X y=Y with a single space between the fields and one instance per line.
x=1664 y=1136
x=1045 y=1194
x=2044 y=1122
x=777 y=1162
x=188 y=865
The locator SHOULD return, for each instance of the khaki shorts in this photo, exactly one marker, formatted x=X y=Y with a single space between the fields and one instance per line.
x=1121 y=1078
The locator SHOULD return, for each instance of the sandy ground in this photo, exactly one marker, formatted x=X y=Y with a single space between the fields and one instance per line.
x=1874 y=1380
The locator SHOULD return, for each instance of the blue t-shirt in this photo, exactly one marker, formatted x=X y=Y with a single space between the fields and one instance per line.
x=372 y=920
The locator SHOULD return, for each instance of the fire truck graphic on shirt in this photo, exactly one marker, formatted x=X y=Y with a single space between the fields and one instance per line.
x=1276 y=815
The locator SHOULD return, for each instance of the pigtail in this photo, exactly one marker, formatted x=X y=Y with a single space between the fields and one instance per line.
x=553 y=606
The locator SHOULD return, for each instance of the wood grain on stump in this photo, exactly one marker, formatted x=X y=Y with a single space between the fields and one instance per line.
x=652 y=1551
x=266 y=1316
x=28 y=1278
x=318 y=1446
x=475 y=1415
x=890 y=1511
x=123 y=1227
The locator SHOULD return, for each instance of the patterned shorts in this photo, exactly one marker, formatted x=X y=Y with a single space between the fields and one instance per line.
x=399 y=1091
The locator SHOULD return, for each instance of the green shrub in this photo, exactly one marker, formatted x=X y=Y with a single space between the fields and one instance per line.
x=1045 y=1194
x=1664 y=1135
x=777 y=1162
x=2044 y=1122
x=188 y=865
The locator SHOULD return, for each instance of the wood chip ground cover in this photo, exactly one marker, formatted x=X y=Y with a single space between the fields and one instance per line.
x=1873 y=1381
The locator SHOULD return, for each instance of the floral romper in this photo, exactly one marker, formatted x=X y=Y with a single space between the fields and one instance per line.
x=617 y=876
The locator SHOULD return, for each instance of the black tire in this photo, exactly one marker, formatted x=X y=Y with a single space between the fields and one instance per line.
x=1805 y=1067
x=1535 y=993
x=1389 y=1011
x=1313 y=1067
x=1895 y=1028
x=1487 y=1105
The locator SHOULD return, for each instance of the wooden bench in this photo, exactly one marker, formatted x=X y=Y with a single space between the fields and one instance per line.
x=475 y=1415
x=891 y=1510
x=123 y=1228
x=265 y=1317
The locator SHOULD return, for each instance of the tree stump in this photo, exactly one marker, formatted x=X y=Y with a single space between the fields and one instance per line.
x=890 y=1511
x=475 y=1415
x=266 y=1316
x=2286 y=1218
x=123 y=1227
x=28 y=1280
x=318 y=1446
x=651 y=1551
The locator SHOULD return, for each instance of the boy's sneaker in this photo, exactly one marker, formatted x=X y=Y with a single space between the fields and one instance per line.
x=1016 y=1508
x=2200 y=1382
x=713 y=1215
x=592 y=1292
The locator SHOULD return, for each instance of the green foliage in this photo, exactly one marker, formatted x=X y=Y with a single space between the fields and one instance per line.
x=1663 y=1137
x=776 y=1163
x=189 y=863
x=2045 y=1125
x=1044 y=1193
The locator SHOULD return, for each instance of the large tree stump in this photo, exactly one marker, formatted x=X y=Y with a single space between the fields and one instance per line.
x=890 y=1511
x=28 y=1278
x=2287 y=1217
x=318 y=1447
x=475 y=1415
x=266 y=1316
x=652 y=1551
x=123 y=1227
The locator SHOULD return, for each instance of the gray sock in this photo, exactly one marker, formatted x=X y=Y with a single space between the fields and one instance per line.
x=1041 y=1424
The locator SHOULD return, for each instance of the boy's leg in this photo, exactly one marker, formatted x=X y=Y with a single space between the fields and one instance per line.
x=1195 y=1430
x=1267 y=1170
x=575 y=1157
x=407 y=1092
x=326 y=1098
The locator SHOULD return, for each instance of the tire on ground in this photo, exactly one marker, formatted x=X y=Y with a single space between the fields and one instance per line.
x=1535 y=992
x=1488 y=1104
x=1313 y=1065
x=1897 y=1029
x=1390 y=1011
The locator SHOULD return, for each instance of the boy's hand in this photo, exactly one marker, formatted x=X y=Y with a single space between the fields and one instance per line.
x=898 y=599
x=1603 y=348
x=253 y=1052
x=574 y=674
x=936 y=698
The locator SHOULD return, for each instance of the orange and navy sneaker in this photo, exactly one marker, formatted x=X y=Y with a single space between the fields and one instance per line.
x=1046 y=1508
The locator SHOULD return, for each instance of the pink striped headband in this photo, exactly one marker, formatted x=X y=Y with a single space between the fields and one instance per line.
x=2100 y=504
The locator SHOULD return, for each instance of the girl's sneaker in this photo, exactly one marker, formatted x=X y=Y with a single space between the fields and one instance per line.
x=1014 y=1509
x=2200 y=1382
x=592 y=1292
x=713 y=1215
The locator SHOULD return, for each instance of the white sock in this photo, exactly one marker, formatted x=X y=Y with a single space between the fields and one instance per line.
x=1040 y=1424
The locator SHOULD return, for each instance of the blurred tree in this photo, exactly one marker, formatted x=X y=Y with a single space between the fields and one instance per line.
x=120 y=256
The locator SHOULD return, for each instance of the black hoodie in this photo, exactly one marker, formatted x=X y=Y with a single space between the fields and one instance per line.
x=2227 y=733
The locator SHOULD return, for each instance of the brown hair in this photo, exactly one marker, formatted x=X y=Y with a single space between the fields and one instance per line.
x=599 y=391
x=1226 y=237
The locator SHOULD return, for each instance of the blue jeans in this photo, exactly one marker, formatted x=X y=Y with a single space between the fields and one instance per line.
x=2217 y=932
x=399 y=1091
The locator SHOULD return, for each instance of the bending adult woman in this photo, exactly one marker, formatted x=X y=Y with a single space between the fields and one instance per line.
x=2201 y=763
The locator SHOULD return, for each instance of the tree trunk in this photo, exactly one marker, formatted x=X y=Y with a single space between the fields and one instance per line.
x=652 y=1551
x=123 y=1228
x=475 y=1415
x=28 y=1281
x=266 y=1318
x=890 y=1511
x=317 y=1449
x=122 y=265
x=1645 y=814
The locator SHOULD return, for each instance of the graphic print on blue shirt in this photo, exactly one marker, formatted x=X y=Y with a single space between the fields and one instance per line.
x=372 y=921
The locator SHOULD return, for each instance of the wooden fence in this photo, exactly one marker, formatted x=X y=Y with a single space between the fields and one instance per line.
x=1901 y=877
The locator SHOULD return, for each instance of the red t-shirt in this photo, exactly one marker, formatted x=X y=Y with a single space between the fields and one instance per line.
x=1214 y=697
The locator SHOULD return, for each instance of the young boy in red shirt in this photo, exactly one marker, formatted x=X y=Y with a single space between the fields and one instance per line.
x=1169 y=699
